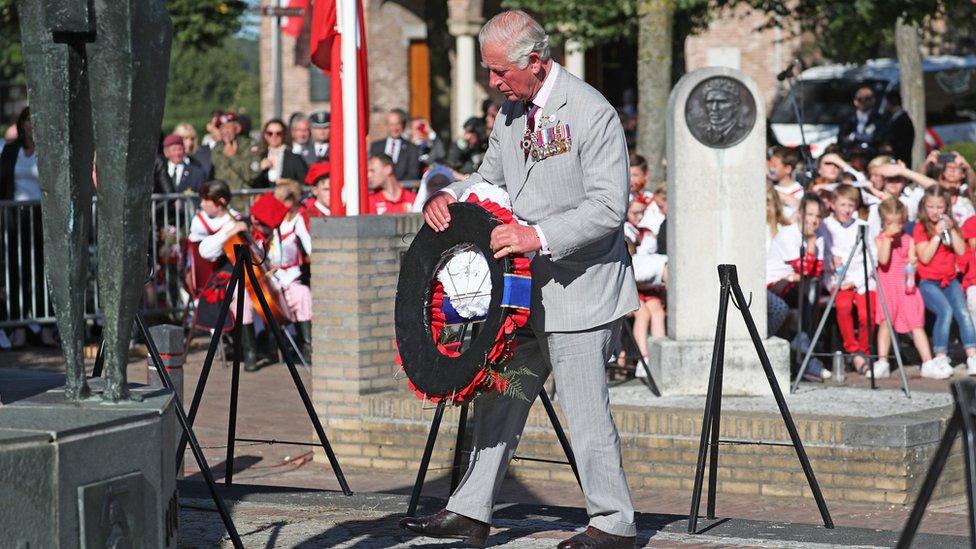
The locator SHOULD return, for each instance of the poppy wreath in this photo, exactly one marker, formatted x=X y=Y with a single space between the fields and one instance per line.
x=437 y=370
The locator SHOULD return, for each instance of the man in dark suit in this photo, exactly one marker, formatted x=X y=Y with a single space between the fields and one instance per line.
x=862 y=128
x=405 y=155
x=319 y=121
x=899 y=131
x=301 y=138
x=175 y=172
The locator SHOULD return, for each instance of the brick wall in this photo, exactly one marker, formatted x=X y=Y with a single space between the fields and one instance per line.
x=389 y=27
x=294 y=74
x=373 y=422
x=355 y=261
x=735 y=34
x=660 y=449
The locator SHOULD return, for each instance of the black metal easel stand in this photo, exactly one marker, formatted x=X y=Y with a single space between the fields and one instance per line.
x=710 y=441
x=241 y=269
x=456 y=462
x=191 y=437
x=962 y=422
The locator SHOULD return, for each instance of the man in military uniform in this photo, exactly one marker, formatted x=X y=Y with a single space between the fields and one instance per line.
x=235 y=160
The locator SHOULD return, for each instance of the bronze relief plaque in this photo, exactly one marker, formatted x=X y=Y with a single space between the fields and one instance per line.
x=720 y=112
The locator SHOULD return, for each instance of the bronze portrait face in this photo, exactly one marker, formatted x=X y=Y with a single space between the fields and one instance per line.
x=720 y=112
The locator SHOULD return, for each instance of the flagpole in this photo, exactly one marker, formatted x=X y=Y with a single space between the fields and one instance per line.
x=349 y=28
x=276 y=65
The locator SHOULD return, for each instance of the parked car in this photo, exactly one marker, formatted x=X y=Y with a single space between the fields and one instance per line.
x=824 y=95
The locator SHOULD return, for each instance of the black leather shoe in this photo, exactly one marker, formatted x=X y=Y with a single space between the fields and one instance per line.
x=593 y=538
x=446 y=524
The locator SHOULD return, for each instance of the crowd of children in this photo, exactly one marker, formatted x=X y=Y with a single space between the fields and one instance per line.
x=919 y=230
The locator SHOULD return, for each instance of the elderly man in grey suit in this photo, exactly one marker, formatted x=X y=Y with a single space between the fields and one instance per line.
x=570 y=185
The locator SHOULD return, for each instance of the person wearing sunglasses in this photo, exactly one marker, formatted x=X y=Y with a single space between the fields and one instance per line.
x=277 y=161
x=863 y=127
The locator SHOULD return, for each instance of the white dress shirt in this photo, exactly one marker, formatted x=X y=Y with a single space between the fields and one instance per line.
x=393 y=148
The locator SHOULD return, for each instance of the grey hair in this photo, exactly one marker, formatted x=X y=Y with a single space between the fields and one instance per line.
x=521 y=34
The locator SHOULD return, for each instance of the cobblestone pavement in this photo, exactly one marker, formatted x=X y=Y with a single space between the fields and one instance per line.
x=270 y=408
x=290 y=519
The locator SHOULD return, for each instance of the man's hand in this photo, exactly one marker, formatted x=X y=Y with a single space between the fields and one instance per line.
x=436 y=213
x=514 y=239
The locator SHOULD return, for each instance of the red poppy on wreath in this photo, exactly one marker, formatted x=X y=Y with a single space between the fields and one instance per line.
x=493 y=376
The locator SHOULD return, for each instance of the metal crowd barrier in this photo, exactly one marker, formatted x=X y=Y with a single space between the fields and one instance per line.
x=25 y=299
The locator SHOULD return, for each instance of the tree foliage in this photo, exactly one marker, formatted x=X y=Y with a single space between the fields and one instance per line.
x=203 y=24
x=856 y=30
x=596 y=23
x=11 y=61
x=224 y=77
x=198 y=24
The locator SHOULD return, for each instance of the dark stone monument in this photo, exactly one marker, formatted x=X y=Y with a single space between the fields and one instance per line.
x=78 y=471
x=96 y=81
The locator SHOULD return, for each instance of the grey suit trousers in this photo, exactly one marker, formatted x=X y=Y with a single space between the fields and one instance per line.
x=578 y=361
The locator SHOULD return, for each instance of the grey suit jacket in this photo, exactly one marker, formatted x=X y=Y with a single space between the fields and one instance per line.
x=578 y=199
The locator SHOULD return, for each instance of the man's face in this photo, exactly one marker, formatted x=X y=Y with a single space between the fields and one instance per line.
x=229 y=131
x=320 y=135
x=377 y=174
x=514 y=83
x=394 y=125
x=322 y=192
x=175 y=153
x=300 y=132
x=638 y=179
x=864 y=99
x=720 y=107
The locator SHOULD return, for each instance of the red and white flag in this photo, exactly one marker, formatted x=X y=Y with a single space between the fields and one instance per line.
x=326 y=54
x=292 y=25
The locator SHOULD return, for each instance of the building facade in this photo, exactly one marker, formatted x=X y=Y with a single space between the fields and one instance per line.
x=396 y=37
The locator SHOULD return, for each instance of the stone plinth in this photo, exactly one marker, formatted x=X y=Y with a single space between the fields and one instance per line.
x=681 y=367
x=85 y=474
x=716 y=205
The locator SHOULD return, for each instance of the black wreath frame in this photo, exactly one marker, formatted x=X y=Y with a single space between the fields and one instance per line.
x=431 y=371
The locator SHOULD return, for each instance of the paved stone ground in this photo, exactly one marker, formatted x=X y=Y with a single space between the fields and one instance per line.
x=296 y=518
x=270 y=408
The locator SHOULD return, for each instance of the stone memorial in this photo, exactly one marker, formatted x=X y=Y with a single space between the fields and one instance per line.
x=91 y=465
x=716 y=214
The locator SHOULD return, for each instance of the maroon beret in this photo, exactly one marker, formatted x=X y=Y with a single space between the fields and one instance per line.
x=172 y=139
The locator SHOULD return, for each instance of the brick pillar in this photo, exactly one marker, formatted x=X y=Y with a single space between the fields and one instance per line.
x=355 y=262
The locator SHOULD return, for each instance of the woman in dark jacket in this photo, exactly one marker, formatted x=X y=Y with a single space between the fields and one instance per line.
x=276 y=159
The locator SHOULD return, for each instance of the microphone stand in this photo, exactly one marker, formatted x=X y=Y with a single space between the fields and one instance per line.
x=808 y=175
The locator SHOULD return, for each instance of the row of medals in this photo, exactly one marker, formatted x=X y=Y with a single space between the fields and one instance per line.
x=547 y=142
